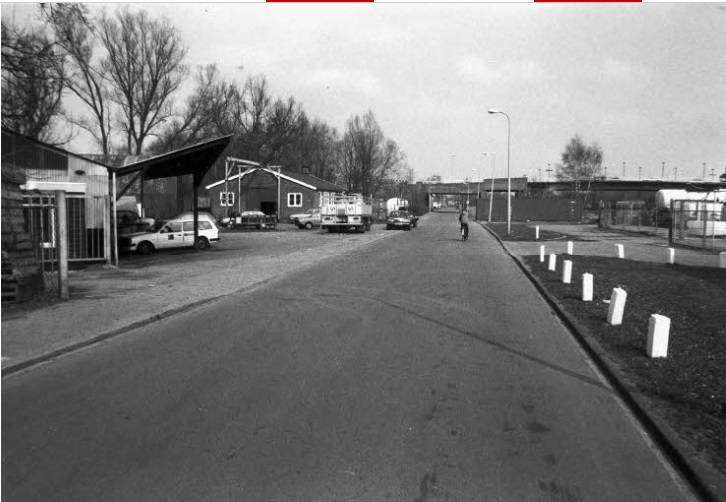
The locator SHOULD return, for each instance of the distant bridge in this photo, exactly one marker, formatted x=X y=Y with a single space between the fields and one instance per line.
x=525 y=185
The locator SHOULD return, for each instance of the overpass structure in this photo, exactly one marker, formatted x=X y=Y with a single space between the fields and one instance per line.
x=620 y=185
x=475 y=186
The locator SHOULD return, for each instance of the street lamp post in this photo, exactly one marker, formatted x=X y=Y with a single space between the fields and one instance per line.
x=509 y=179
x=491 y=194
x=476 y=175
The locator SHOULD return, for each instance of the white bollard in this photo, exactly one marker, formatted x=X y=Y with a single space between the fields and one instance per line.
x=722 y=260
x=536 y=232
x=570 y=248
x=586 y=287
x=617 y=306
x=671 y=256
x=621 y=251
x=541 y=253
x=658 y=328
x=553 y=262
x=567 y=271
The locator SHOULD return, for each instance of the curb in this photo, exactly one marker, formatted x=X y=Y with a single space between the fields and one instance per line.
x=13 y=368
x=657 y=429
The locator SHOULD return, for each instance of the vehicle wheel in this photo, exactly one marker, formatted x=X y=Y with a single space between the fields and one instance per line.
x=308 y=226
x=388 y=227
x=145 y=248
x=202 y=243
x=408 y=227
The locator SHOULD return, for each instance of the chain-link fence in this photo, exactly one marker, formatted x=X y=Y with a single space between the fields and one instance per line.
x=698 y=224
x=630 y=216
x=690 y=223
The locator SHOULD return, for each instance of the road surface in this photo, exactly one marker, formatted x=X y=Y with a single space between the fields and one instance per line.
x=418 y=369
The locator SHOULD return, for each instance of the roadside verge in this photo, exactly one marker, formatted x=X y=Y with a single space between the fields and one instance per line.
x=703 y=479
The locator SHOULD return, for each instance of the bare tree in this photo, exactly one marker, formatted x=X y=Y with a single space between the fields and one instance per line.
x=314 y=146
x=75 y=37
x=209 y=111
x=31 y=87
x=368 y=158
x=579 y=162
x=145 y=62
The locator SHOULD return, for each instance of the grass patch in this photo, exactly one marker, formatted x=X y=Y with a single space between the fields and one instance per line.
x=523 y=232
x=688 y=388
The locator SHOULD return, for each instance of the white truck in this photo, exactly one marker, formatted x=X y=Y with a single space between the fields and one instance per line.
x=339 y=213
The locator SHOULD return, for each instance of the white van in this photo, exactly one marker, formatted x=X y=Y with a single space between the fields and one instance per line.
x=175 y=233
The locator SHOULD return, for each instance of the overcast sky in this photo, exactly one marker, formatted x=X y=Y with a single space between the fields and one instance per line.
x=647 y=82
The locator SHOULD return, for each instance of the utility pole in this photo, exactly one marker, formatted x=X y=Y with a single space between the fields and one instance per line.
x=640 y=172
x=540 y=173
x=623 y=169
x=606 y=172
x=713 y=174
x=549 y=170
x=704 y=170
x=662 y=171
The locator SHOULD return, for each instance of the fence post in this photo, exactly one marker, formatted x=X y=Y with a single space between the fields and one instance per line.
x=107 y=228
x=61 y=222
x=704 y=215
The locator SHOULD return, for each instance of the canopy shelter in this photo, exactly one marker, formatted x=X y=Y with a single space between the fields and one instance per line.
x=193 y=160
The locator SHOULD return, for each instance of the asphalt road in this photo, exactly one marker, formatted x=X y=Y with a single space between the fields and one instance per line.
x=419 y=369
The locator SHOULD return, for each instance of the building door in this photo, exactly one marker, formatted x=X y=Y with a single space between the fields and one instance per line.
x=268 y=207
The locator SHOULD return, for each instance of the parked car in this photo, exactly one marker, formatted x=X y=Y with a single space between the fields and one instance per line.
x=129 y=222
x=399 y=219
x=309 y=219
x=175 y=233
x=250 y=219
x=200 y=215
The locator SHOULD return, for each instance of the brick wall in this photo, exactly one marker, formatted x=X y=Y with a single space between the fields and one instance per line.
x=21 y=275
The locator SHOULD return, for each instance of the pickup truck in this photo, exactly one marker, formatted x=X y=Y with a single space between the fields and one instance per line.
x=309 y=219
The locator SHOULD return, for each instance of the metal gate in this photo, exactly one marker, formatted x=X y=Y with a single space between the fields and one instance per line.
x=87 y=227
x=41 y=225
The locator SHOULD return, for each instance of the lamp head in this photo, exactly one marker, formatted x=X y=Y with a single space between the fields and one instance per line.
x=493 y=111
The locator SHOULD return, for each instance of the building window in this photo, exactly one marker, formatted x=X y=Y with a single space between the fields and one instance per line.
x=226 y=199
x=294 y=200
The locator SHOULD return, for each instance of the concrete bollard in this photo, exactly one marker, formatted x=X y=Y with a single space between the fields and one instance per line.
x=722 y=260
x=617 y=306
x=671 y=256
x=658 y=328
x=621 y=250
x=567 y=271
x=586 y=287
x=553 y=262
x=536 y=232
x=542 y=253
x=570 y=249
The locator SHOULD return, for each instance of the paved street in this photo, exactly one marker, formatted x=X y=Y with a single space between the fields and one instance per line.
x=421 y=368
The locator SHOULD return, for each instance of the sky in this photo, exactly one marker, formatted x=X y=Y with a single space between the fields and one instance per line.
x=645 y=82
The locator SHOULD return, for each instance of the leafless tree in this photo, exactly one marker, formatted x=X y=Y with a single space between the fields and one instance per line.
x=368 y=158
x=209 y=111
x=75 y=38
x=314 y=146
x=31 y=87
x=145 y=61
